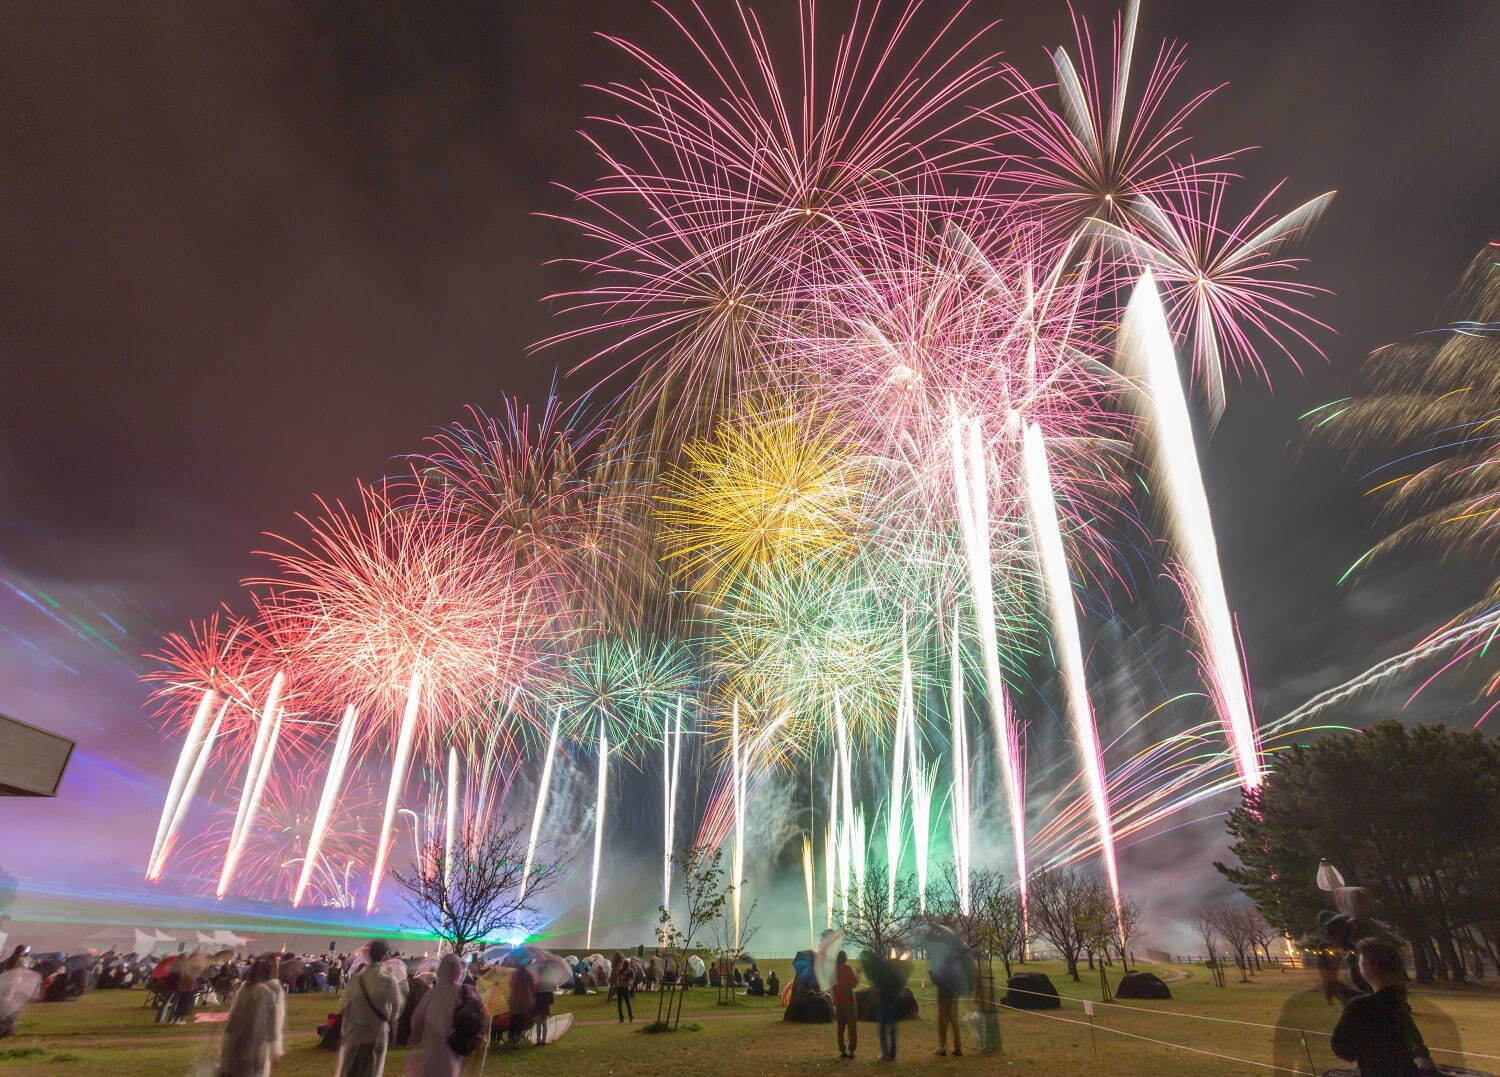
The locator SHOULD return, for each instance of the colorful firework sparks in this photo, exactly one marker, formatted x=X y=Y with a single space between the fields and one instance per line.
x=1097 y=150
x=273 y=862
x=795 y=640
x=1435 y=398
x=715 y=194
x=531 y=487
x=1222 y=283
x=769 y=488
x=872 y=433
x=388 y=590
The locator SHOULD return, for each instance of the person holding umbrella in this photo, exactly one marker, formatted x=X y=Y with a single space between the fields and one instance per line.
x=951 y=967
x=887 y=978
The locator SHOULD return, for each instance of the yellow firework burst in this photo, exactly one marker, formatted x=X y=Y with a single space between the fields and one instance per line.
x=767 y=488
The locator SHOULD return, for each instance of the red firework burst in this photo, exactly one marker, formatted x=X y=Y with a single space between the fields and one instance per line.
x=391 y=590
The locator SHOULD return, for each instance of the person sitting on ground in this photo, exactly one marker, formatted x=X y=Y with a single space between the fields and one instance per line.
x=773 y=985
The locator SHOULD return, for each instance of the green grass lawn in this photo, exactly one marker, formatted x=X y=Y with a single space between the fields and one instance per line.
x=111 y=1032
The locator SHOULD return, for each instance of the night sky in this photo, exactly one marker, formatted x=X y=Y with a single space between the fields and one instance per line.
x=254 y=254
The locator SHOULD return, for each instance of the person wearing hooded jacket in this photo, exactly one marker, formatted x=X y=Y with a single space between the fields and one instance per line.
x=372 y=1003
x=253 y=1031
x=429 y=1054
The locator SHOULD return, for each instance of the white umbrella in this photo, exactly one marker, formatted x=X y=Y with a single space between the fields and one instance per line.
x=17 y=988
x=826 y=958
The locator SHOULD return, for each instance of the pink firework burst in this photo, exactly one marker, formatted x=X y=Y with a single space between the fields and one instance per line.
x=533 y=487
x=715 y=197
x=1098 y=148
x=1227 y=287
x=970 y=313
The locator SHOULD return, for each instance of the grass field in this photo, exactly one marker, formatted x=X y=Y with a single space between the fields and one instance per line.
x=111 y=1032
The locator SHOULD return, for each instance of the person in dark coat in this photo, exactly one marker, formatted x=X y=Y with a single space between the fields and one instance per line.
x=1376 y=1029
x=887 y=978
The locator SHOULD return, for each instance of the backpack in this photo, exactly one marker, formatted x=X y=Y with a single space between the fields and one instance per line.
x=330 y=1032
x=468 y=1025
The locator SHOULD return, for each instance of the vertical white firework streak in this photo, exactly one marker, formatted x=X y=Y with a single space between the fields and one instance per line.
x=601 y=801
x=450 y=814
x=185 y=759
x=332 y=784
x=972 y=489
x=1144 y=353
x=737 y=776
x=1047 y=535
x=958 y=740
x=808 y=884
x=402 y=760
x=896 y=795
x=266 y=736
x=540 y=808
x=189 y=791
x=851 y=853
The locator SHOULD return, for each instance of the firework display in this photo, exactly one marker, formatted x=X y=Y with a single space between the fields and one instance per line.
x=902 y=410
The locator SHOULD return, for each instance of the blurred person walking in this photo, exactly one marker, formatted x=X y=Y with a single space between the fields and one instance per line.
x=372 y=1002
x=257 y=1020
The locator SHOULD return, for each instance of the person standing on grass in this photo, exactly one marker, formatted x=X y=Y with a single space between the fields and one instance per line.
x=624 y=988
x=522 y=1002
x=253 y=1031
x=887 y=980
x=430 y=1054
x=845 y=1013
x=541 y=1012
x=947 y=1018
x=372 y=1003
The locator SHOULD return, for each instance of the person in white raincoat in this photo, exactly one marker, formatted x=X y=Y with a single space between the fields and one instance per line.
x=428 y=1053
x=253 y=1031
x=372 y=1002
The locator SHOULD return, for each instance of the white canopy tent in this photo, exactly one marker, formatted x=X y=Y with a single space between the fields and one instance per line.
x=220 y=940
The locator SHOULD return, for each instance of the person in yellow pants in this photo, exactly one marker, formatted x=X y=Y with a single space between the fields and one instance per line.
x=947 y=1017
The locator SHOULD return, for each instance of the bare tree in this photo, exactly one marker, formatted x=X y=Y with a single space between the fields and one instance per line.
x=1236 y=923
x=1262 y=934
x=1100 y=931
x=704 y=896
x=1128 y=928
x=947 y=905
x=880 y=917
x=1001 y=926
x=476 y=893
x=1204 y=922
x=1065 y=910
